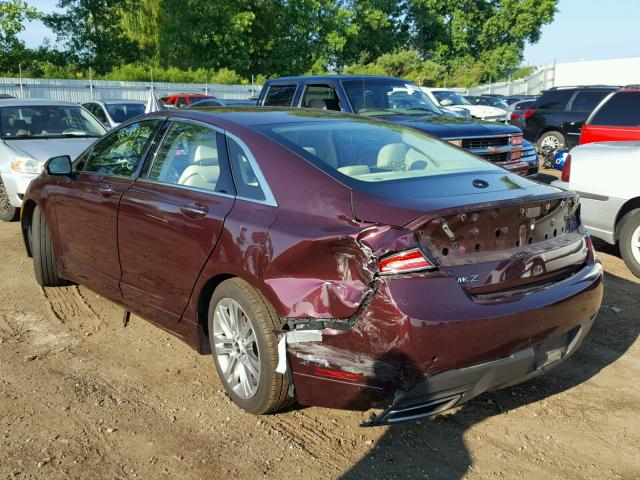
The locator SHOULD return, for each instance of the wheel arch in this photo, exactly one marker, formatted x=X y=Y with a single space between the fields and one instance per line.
x=202 y=311
x=628 y=206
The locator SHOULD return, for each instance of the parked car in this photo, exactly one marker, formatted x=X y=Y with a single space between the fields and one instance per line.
x=617 y=118
x=452 y=100
x=555 y=119
x=184 y=100
x=347 y=262
x=113 y=112
x=219 y=102
x=605 y=175
x=403 y=102
x=31 y=131
x=517 y=111
x=496 y=101
x=511 y=99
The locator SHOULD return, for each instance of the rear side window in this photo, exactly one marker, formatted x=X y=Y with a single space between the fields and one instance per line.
x=280 y=95
x=555 y=99
x=587 y=100
x=247 y=178
x=621 y=110
x=322 y=97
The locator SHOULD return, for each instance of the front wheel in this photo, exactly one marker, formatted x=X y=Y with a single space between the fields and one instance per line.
x=630 y=241
x=8 y=213
x=245 y=349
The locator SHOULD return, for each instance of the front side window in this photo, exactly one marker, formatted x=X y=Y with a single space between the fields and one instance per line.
x=587 y=100
x=280 y=95
x=98 y=113
x=181 y=102
x=371 y=152
x=375 y=96
x=190 y=156
x=47 y=121
x=621 y=110
x=120 y=152
x=321 y=97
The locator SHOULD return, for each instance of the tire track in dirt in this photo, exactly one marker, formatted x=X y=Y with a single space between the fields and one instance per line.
x=68 y=304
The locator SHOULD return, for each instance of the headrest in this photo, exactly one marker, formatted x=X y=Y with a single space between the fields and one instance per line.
x=311 y=150
x=414 y=160
x=317 y=104
x=205 y=155
x=391 y=156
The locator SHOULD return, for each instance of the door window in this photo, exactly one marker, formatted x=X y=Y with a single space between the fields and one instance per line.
x=587 y=100
x=322 y=97
x=190 y=156
x=99 y=113
x=120 y=152
x=182 y=102
x=280 y=95
x=621 y=110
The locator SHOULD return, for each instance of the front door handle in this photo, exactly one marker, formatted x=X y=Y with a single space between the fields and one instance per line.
x=106 y=190
x=194 y=211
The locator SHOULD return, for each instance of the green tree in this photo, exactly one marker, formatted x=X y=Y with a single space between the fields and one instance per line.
x=13 y=14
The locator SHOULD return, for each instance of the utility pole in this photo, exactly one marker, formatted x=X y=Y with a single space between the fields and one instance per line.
x=20 y=73
x=90 y=85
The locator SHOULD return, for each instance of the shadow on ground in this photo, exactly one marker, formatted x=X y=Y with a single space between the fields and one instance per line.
x=435 y=448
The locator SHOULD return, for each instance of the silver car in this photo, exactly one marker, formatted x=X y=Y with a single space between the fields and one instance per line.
x=113 y=112
x=31 y=132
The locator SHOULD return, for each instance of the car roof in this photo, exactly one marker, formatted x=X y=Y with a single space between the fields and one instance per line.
x=252 y=116
x=333 y=77
x=43 y=102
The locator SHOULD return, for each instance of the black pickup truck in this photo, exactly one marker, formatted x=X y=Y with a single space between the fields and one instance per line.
x=401 y=101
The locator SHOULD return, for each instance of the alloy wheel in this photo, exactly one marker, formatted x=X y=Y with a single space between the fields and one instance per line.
x=236 y=348
x=635 y=244
x=550 y=141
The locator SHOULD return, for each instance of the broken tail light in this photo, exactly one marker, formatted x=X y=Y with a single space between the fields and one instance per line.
x=404 y=262
x=566 y=169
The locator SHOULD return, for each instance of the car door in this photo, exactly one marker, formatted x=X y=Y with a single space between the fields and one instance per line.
x=171 y=218
x=87 y=206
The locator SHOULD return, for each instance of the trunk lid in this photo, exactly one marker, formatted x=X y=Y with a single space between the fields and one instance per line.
x=497 y=241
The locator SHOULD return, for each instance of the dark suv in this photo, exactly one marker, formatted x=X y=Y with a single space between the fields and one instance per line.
x=555 y=119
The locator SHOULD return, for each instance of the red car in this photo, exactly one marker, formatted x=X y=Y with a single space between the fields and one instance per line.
x=184 y=100
x=617 y=118
x=343 y=261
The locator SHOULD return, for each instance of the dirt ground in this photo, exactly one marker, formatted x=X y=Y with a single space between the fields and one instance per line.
x=83 y=397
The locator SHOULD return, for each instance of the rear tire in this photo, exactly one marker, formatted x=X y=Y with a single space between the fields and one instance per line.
x=236 y=355
x=630 y=240
x=551 y=139
x=44 y=259
x=8 y=213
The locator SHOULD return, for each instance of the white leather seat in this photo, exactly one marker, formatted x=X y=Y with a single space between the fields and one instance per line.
x=353 y=170
x=391 y=157
x=205 y=170
x=414 y=160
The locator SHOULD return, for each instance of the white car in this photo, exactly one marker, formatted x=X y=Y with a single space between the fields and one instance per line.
x=605 y=175
x=451 y=100
x=31 y=132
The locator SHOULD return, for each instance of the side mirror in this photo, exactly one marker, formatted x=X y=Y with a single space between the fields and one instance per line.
x=446 y=102
x=59 y=166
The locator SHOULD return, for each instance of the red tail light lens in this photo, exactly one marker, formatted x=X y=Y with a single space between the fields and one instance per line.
x=338 y=374
x=515 y=116
x=566 y=169
x=405 y=262
x=529 y=112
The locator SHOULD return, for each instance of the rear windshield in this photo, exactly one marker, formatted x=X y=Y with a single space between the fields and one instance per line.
x=621 y=110
x=373 y=152
x=121 y=112
x=18 y=123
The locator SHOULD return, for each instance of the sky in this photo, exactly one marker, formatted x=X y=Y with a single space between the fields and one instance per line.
x=581 y=30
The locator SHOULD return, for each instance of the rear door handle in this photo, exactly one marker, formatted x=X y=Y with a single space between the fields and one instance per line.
x=194 y=211
x=106 y=190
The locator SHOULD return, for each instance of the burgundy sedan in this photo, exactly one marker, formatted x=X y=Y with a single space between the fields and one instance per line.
x=333 y=259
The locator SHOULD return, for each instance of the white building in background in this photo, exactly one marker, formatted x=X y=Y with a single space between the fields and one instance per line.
x=615 y=71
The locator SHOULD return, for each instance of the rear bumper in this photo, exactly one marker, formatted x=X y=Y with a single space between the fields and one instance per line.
x=16 y=185
x=454 y=387
x=444 y=348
